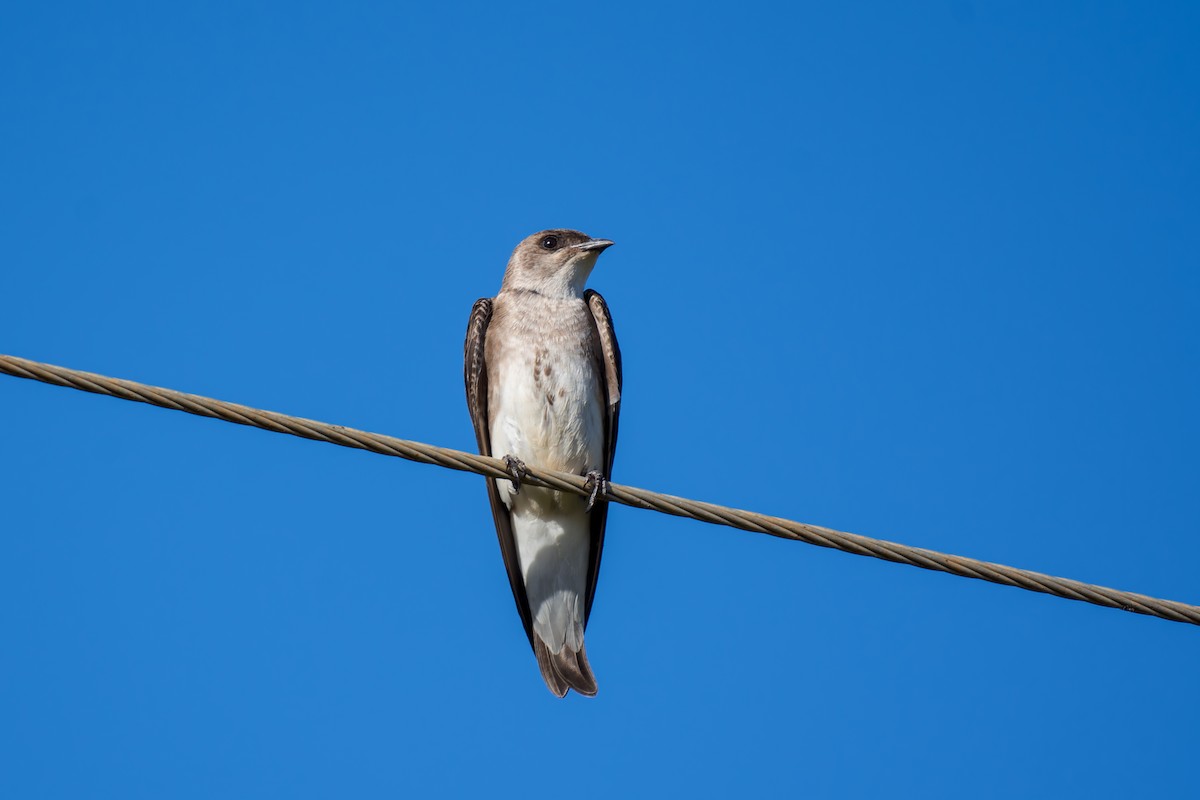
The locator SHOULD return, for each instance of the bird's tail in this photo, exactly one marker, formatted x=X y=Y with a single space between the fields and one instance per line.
x=566 y=669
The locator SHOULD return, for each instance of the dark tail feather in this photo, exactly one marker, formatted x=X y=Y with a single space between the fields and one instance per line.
x=567 y=670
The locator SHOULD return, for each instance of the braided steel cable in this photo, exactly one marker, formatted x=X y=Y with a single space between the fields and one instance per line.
x=628 y=495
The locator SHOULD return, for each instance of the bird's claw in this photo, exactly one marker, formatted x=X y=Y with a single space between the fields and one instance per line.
x=517 y=469
x=599 y=486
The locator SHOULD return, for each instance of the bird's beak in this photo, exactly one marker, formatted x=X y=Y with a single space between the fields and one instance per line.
x=593 y=244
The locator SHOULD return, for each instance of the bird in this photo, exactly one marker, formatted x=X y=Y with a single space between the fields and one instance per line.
x=543 y=377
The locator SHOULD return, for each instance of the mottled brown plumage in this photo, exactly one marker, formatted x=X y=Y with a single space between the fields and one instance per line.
x=543 y=378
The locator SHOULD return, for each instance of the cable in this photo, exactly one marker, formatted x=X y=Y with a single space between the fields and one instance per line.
x=628 y=495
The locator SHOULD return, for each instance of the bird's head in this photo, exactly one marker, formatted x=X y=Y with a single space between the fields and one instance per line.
x=556 y=263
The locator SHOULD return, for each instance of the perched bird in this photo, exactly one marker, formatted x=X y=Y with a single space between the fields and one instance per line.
x=543 y=375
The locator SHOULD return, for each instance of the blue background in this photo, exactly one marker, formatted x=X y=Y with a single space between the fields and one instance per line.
x=926 y=274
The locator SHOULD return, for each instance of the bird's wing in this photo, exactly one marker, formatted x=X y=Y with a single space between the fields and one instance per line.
x=475 y=376
x=608 y=356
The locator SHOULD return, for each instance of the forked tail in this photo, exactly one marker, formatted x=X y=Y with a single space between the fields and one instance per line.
x=565 y=670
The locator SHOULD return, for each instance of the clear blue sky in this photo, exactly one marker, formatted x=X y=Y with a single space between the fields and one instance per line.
x=927 y=274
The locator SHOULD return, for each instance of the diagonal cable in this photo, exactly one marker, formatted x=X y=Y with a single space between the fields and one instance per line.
x=629 y=495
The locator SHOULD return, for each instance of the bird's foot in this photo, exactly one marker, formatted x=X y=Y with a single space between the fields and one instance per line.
x=599 y=486
x=517 y=469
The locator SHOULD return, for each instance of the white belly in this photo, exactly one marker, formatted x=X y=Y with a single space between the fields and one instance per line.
x=549 y=414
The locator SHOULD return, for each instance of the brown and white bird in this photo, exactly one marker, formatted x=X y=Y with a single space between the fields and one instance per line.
x=543 y=375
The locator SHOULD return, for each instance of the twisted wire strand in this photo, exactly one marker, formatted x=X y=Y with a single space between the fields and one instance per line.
x=628 y=495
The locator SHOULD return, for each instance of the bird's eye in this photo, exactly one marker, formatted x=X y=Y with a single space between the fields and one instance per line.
x=550 y=243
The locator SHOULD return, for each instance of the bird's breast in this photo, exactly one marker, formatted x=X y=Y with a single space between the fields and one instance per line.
x=547 y=406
